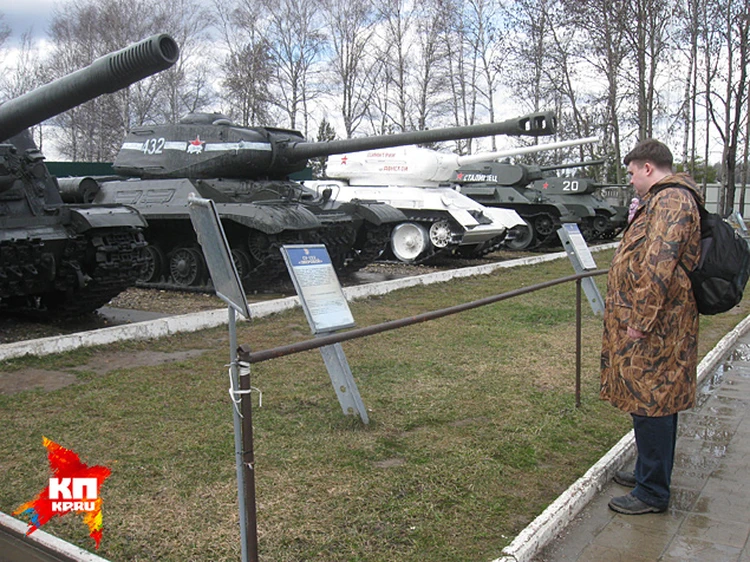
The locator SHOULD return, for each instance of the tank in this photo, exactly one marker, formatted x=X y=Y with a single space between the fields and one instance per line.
x=420 y=182
x=543 y=200
x=246 y=170
x=597 y=218
x=57 y=259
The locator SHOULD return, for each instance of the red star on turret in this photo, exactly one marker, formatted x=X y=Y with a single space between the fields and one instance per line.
x=545 y=185
x=459 y=175
x=343 y=160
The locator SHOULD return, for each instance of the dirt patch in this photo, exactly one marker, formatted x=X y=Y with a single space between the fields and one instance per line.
x=389 y=463
x=28 y=379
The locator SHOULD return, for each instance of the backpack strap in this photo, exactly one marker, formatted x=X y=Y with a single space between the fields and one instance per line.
x=702 y=212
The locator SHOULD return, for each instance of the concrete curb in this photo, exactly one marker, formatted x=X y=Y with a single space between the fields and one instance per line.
x=46 y=542
x=542 y=530
x=162 y=327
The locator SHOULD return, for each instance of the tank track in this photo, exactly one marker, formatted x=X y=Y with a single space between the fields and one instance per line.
x=483 y=249
x=370 y=246
x=96 y=267
x=268 y=272
x=541 y=239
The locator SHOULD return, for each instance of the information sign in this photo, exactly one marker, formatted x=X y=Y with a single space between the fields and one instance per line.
x=582 y=260
x=318 y=287
x=216 y=251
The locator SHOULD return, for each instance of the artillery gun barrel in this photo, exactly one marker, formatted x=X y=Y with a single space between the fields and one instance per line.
x=105 y=75
x=489 y=156
x=597 y=162
x=534 y=124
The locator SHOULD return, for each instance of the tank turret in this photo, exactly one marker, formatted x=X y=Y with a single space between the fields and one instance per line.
x=58 y=259
x=246 y=170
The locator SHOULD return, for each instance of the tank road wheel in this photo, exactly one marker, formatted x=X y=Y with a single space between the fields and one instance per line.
x=409 y=241
x=601 y=223
x=544 y=225
x=241 y=261
x=154 y=267
x=520 y=237
x=440 y=234
x=187 y=267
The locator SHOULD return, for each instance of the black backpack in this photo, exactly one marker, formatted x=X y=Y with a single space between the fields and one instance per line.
x=724 y=267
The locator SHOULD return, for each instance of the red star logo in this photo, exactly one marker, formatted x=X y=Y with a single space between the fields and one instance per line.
x=197 y=141
x=343 y=160
x=545 y=185
x=459 y=176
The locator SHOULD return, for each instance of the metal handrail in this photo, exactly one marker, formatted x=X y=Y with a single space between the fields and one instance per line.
x=248 y=356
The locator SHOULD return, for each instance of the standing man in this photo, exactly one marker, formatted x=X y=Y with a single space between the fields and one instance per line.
x=649 y=350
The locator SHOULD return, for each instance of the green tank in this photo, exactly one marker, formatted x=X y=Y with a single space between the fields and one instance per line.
x=56 y=259
x=543 y=200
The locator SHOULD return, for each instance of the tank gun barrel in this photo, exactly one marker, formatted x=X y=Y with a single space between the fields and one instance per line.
x=534 y=124
x=597 y=162
x=105 y=75
x=489 y=156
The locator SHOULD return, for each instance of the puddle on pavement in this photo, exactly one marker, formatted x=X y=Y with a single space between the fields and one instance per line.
x=741 y=352
x=707 y=428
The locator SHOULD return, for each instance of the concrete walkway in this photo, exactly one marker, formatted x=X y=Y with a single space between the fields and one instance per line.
x=709 y=515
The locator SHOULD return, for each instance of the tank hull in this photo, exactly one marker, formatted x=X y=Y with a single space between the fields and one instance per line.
x=438 y=220
x=258 y=218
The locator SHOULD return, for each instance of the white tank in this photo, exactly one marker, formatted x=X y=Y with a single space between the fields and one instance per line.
x=414 y=180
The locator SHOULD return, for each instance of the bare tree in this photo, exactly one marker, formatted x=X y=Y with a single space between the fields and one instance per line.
x=492 y=50
x=295 y=41
x=604 y=49
x=351 y=26
x=398 y=24
x=247 y=69
x=5 y=31
x=728 y=116
x=647 y=37
x=430 y=77
x=88 y=29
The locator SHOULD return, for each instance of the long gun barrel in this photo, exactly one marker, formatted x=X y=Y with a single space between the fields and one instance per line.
x=535 y=124
x=597 y=162
x=105 y=75
x=489 y=156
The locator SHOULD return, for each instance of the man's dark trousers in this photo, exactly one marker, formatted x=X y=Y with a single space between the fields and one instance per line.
x=655 y=439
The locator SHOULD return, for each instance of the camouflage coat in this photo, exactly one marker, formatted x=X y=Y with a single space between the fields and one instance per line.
x=649 y=291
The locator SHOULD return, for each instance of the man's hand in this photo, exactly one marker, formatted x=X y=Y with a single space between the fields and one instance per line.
x=635 y=334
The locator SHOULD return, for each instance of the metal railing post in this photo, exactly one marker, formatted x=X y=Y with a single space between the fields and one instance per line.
x=578 y=343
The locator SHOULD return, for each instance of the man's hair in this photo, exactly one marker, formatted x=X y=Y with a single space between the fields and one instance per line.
x=650 y=150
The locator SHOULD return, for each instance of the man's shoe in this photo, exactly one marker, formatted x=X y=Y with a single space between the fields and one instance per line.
x=630 y=505
x=624 y=478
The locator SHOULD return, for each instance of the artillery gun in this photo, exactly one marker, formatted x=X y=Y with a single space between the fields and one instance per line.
x=440 y=219
x=543 y=200
x=56 y=259
x=245 y=170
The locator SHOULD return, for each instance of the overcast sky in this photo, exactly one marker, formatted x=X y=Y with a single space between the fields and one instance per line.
x=21 y=15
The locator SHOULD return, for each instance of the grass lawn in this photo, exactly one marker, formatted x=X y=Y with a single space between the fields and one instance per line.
x=473 y=431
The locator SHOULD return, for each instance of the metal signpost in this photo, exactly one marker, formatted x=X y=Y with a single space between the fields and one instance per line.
x=228 y=288
x=326 y=310
x=582 y=260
